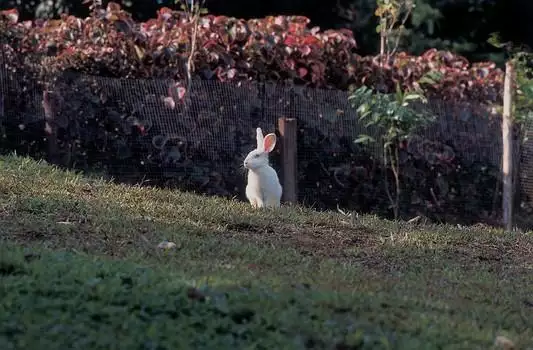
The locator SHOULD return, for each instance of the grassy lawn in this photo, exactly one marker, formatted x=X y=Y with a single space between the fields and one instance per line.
x=80 y=268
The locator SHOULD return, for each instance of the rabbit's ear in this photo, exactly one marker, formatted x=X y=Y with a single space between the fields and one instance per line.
x=270 y=142
x=259 y=138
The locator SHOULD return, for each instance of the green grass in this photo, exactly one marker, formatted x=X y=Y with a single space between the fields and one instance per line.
x=80 y=268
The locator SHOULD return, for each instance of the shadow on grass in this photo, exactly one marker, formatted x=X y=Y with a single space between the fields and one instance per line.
x=63 y=300
x=60 y=300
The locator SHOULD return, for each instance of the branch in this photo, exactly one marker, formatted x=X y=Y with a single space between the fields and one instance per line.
x=410 y=9
x=190 y=60
x=193 y=10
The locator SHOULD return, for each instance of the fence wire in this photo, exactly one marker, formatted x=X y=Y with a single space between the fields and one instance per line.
x=525 y=168
x=134 y=131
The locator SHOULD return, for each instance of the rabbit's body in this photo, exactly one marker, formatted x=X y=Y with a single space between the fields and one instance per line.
x=263 y=188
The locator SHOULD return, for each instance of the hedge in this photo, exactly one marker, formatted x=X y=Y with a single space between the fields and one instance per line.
x=275 y=48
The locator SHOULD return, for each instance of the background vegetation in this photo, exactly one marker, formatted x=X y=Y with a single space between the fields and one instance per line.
x=119 y=133
x=460 y=25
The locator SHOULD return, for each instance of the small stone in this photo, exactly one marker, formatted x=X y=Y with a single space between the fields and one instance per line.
x=504 y=343
x=167 y=245
x=65 y=223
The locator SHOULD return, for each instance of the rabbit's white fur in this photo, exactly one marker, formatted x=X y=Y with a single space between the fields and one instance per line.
x=263 y=188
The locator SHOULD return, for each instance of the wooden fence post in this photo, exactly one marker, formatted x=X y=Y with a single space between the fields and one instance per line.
x=50 y=127
x=507 y=141
x=288 y=130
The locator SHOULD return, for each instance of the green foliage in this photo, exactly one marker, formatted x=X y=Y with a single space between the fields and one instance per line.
x=523 y=98
x=393 y=113
x=422 y=31
x=192 y=7
x=393 y=15
x=439 y=24
x=521 y=59
x=396 y=118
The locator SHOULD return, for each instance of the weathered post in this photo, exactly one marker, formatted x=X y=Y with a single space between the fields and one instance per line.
x=288 y=133
x=507 y=141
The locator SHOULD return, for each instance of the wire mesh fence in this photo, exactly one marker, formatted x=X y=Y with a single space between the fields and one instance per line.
x=524 y=173
x=127 y=129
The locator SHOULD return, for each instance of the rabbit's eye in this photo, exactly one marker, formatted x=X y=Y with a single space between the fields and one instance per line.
x=256 y=156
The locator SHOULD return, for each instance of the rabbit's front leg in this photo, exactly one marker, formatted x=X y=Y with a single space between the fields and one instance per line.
x=253 y=197
x=259 y=202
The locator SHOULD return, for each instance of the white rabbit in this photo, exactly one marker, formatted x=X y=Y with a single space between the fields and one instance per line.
x=263 y=188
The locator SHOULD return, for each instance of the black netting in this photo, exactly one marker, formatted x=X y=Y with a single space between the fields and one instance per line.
x=130 y=130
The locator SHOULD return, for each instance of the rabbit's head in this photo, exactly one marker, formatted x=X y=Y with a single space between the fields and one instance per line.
x=259 y=156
